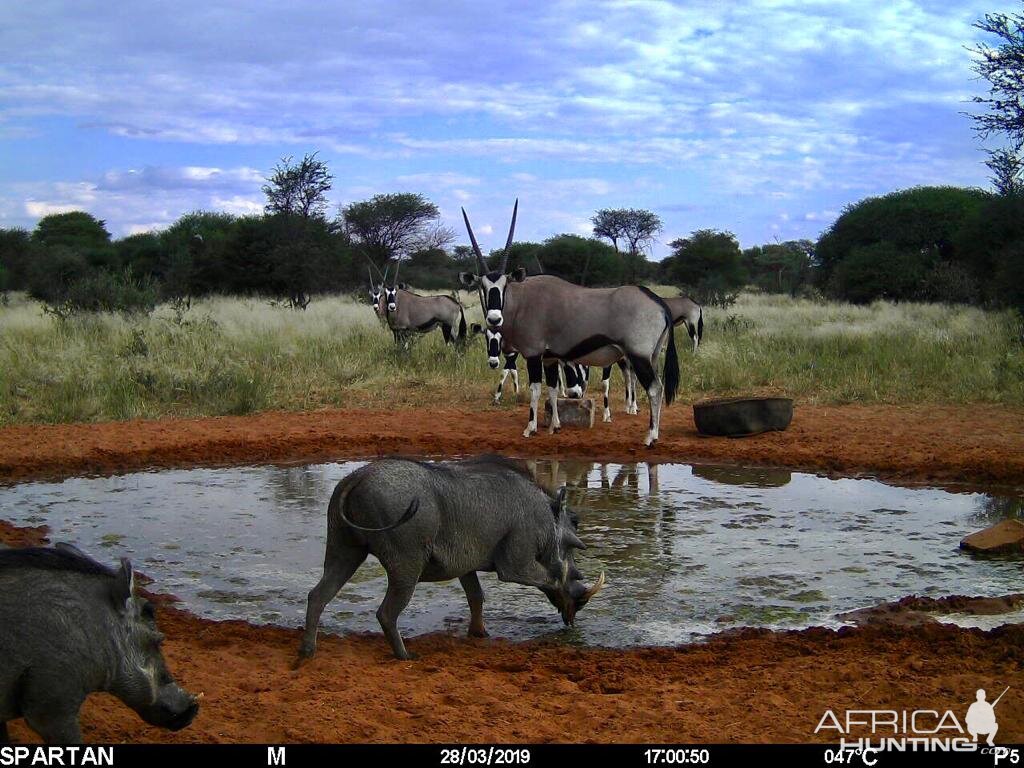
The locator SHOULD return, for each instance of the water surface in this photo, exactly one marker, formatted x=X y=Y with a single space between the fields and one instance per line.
x=688 y=550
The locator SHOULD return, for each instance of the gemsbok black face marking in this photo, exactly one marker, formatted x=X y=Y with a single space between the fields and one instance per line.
x=495 y=350
x=547 y=319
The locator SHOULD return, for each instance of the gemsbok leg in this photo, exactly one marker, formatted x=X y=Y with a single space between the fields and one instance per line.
x=551 y=374
x=649 y=380
x=535 y=370
x=510 y=369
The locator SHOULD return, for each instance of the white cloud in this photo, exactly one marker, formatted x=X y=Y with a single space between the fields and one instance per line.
x=814 y=103
x=39 y=208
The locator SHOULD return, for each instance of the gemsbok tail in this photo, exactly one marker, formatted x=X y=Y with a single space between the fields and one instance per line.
x=670 y=377
x=462 y=323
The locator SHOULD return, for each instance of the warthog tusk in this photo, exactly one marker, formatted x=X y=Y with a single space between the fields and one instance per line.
x=565 y=571
x=199 y=696
x=598 y=586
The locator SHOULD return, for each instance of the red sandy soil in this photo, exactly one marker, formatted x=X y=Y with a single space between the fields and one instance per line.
x=754 y=686
x=977 y=444
x=751 y=686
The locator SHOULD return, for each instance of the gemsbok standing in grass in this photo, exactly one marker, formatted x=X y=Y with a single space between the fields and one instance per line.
x=686 y=310
x=377 y=295
x=407 y=312
x=545 y=318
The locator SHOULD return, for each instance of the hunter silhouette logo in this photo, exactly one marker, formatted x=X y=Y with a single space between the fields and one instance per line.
x=981 y=717
x=928 y=730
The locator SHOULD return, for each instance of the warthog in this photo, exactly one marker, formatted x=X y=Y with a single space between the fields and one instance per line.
x=440 y=521
x=70 y=626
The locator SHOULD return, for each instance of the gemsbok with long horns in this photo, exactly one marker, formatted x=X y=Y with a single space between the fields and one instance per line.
x=377 y=293
x=407 y=312
x=545 y=318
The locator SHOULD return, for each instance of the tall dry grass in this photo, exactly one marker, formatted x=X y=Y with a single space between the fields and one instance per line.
x=235 y=356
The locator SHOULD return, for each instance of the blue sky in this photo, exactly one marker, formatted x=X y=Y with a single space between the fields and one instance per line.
x=764 y=118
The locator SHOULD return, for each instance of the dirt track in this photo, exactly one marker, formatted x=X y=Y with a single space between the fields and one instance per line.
x=756 y=686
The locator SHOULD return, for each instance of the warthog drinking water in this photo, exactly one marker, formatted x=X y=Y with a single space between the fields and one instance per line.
x=70 y=626
x=440 y=521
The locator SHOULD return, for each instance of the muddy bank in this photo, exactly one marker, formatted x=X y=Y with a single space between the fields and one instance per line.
x=755 y=686
x=15 y=536
x=973 y=445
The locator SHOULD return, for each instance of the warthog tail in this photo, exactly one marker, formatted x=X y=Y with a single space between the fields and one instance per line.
x=414 y=506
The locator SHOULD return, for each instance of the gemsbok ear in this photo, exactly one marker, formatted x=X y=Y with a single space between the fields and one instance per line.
x=468 y=279
x=402 y=286
x=519 y=274
x=476 y=328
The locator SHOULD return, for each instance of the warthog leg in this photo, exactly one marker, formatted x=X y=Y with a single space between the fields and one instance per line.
x=471 y=583
x=4 y=737
x=340 y=562
x=58 y=726
x=397 y=597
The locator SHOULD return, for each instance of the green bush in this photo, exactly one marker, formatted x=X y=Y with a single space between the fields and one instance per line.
x=879 y=271
x=103 y=291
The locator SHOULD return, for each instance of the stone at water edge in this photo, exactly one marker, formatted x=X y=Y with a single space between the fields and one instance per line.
x=571 y=413
x=1005 y=536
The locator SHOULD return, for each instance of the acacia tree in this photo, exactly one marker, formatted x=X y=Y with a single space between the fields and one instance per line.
x=395 y=226
x=298 y=188
x=636 y=226
x=708 y=265
x=1007 y=169
x=1003 y=67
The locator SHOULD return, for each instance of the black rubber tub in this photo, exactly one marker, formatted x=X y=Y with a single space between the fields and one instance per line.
x=743 y=416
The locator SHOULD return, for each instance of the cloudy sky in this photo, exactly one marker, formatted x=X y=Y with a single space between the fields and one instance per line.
x=764 y=117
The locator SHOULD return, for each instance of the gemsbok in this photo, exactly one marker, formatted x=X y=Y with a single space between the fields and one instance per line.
x=545 y=318
x=573 y=375
x=684 y=310
x=377 y=294
x=408 y=312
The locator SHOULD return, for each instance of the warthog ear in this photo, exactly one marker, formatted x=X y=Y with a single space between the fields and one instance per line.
x=63 y=546
x=123 y=588
x=468 y=279
x=572 y=540
x=519 y=274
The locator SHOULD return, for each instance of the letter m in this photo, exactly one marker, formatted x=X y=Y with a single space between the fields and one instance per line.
x=275 y=755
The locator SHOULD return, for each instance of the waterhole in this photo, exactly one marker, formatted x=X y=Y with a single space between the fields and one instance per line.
x=688 y=550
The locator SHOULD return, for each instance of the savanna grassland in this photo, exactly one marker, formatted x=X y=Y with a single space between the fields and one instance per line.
x=233 y=356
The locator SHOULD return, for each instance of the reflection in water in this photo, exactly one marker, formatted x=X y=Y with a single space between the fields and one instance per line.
x=747 y=477
x=992 y=509
x=687 y=550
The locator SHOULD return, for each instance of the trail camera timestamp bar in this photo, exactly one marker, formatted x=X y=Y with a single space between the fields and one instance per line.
x=441 y=755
